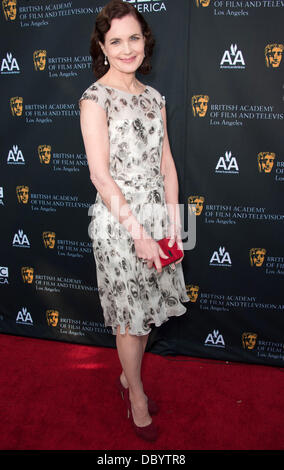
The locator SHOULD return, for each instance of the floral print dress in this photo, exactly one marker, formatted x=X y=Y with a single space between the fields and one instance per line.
x=131 y=294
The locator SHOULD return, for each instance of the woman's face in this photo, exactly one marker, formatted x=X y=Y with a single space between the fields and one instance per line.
x=124 y=44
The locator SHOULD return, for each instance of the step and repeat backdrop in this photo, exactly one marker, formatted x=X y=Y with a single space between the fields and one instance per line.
x=219 y=63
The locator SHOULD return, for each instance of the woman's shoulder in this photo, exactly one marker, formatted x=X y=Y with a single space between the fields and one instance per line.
x=158 y=97
x=96 y=93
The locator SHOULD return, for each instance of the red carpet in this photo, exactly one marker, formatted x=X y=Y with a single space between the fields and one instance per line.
x=60 y=396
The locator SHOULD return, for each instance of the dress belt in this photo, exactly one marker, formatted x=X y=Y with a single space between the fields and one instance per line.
x=137 y=181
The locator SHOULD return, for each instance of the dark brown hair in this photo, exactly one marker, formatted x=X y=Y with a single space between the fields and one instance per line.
x=118 y=9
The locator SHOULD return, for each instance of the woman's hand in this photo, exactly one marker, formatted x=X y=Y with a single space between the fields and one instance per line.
x=175 y=236
x=149 y=250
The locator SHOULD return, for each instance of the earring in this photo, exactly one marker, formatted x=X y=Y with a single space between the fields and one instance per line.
x=105 y=62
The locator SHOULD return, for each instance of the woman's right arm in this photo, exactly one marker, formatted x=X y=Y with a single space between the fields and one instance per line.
x=94 y=130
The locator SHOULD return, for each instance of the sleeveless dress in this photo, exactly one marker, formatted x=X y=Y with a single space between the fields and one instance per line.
x=130 y=293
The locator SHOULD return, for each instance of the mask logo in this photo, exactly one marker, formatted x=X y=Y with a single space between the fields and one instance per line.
x=199 y=105
x=27 y=274
x=202 y=3
x=44 y=153
x=52 y=317
x=256 y=256
x=9 y=9
x=48 y=239
x=265 y=161
x=249 y=340
x=273 y=55
x=16 y=104
x=39 y=59
x=196 y=204
x=192 y=292
x=22 y=194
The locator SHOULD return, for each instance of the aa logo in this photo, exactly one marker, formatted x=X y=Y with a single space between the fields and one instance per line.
x=257 y=256
x=199 y=105
x=22 y=192
x=202 y=3
x=195 y=204
x=249 y=340
x=24 y=317
x=265 y=161
x=221 y=258
x=273 y=55
x=9 y=9
x=21 y=240
x=48 y=239
x=192 y=292
x=227 y=164
x=44 y=153
x=215 y=339
x=27 y=274
x=39 y=58
x=16 y=105
x=52 y=317
x=15 y=156
x=9 y=65
x=232 y=59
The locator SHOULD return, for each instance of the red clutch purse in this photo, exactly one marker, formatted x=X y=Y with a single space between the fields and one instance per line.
x=173 y=252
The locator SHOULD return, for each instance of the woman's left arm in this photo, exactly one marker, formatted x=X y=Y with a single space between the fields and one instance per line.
x=168 y=169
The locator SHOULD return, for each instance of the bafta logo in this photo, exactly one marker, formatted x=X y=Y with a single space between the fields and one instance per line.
x=39 y=59
x=265 y=161
x=48 y=239
x=256 y=256
x=27 y=274
x=9 y=9
x=44 y=153
x=273 y=55
x=52 y=317
x=249 y=340
x=16 y=104
x=22 y=192
x=196 y=204
x=202 y=3
x=199 y=105
x=192 y=292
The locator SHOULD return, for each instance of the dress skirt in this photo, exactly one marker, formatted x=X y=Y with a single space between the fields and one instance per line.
x=131 y=294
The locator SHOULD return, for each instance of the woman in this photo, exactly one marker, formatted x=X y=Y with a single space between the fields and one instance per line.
x=123 y=125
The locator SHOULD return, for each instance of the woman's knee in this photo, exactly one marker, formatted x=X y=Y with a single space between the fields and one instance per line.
x=123 y=334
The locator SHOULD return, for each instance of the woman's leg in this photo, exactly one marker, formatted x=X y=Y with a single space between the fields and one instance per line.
x=130 y=350
x=123 y=378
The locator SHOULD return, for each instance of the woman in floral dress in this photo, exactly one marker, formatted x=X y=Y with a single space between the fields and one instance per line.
x=124 y=129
